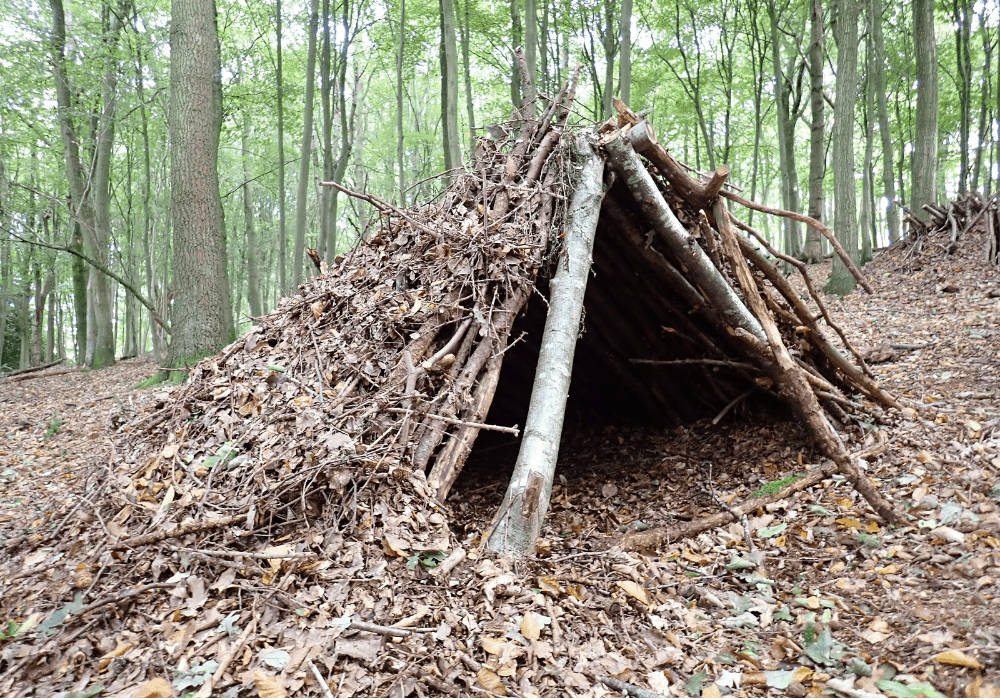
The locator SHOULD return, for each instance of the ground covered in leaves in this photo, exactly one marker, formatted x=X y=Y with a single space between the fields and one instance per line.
x=811 y=596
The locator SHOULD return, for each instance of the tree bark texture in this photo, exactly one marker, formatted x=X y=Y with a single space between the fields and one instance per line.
x=812 y=251
x=202 y=315
x=923 y=186
x=449 y=85
x=523 y=510
x=302 y=199
x=280 y=89
x=885 y=132
x=844 y=190
x=625 y=54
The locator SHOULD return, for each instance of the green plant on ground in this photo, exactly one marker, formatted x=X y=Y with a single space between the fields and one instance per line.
x=54 y=426
x=772 y=487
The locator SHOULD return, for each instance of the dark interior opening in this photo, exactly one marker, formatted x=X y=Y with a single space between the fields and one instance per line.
x=629 y=314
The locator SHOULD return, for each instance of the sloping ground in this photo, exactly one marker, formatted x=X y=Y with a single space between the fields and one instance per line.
x=818 y=583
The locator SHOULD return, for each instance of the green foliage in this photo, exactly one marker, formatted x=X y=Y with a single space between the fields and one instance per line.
x=55 y=425
x=772 y=487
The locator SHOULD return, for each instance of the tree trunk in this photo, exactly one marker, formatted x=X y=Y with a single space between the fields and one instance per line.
x=609 y=58
x=786 y=132
x=625 y=54
x=202 y=315
x=399 y=102
x=449 y=85
x=531 y=40
x=962 y=14
x=812 y=251
x=253 y=271
x=147 y=186
x=282 y=233
x=90 y=203
x=519 y=520
x=844 y=192
x=982 y=142
x=302 y=200
x=79 y=296
x=467 y=74
x=326 y=139
x=923 y=187
x=877 y=65
x=515 y=42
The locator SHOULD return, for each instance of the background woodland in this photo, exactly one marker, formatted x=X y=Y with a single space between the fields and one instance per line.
x=856 y=113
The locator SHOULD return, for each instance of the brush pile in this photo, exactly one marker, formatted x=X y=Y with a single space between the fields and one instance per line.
x=967 y=218
x=292 y=489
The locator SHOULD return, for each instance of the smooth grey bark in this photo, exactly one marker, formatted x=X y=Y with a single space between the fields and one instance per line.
x=253 y=268
x=302 y=200
x=467 y=74
x=786 y=137
x=449 y=85
x=877 y=65
x=89 y=187
x=531 y=40
x=399 y=102
x=625 y=54
x=147 y=194
x=962 y=14
x=869 y=226
x=812 y=250
x=844 y=191
x=609 y=43
x=923 y=181
x=202 y=316
x=678 y=239
x=326 y=139
x=515 y=41
x=519 y=520
x=984 y=105
x=282 y=233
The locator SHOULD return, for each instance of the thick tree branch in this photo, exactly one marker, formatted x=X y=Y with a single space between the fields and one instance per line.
x=101 y=268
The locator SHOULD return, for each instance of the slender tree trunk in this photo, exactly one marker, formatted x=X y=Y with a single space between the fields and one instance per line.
x=326 y=141
x=531 y=40
x=253 y=271
x=817 y=132
x=89 y=206
x=877 y=66
x=962 y=14
x=399 y=103
x=610 y=27
x=625 y=54
x=522 y=513
x=449 y=85
x=302 y=200
x=202 y=316
x=923 y=187
x=282 y=233
x=467 y=73
x=983 y=141
x=79 y=296
x=347 y=127
x=786 y=131
x=844 y=192
x=147 y=185
x=515 y=41
x=869 y=227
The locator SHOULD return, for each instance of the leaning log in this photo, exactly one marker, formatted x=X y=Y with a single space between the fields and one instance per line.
x=520 y=518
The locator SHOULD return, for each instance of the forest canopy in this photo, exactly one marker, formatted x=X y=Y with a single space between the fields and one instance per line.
x=856 y=113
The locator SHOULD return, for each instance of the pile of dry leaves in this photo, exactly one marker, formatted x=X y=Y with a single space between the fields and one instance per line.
x=252 y=532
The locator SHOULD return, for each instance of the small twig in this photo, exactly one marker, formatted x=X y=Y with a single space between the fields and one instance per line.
x=117 y=598
x=455 y=421
x=190 y=528
x=627 y=688
x=320 y=680
x=381 y=205
x=724 y=411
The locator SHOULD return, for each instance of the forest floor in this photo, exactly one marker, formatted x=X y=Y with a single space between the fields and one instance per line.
x=819 y=596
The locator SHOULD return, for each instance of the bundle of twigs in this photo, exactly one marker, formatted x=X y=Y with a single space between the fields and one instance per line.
x=964 y=214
